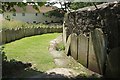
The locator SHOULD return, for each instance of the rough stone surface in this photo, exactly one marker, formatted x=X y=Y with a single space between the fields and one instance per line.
x=86 y=20
x=113 y=68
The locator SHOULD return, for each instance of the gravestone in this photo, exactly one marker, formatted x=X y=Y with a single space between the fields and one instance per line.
x=48 y=29
x=0 y=37
x=113 y=63
x=12 y=34
x=17 y=33
x=67 y=46
x=64 y=35
x=21 y=33
x=82 y=49
x=7 y=31
x=3 y=36
x=45 y=29
x=42 y=30
x=73 y=46
x=32 y=31
x=92 y=64
x=26 y=30
x=99 y=47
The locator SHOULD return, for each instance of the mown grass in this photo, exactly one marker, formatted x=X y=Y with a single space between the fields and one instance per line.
x=32 y=49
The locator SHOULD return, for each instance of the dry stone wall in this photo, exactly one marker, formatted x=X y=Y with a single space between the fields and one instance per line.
x=98 y=35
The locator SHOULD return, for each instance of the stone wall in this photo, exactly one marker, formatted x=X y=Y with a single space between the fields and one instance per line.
x=98 y=36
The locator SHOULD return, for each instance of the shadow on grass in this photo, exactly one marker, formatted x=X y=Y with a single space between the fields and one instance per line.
x=17 y=70
x=14 y=68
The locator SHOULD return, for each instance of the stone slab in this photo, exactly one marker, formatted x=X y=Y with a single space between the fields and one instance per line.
x=92 y=64
x=73 y=46
x=99 y=47
x=67 y=46
x=82 y=49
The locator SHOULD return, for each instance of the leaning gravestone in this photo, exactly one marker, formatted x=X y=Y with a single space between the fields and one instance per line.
x=92 y=64
x=82 y=49
x=99 y=47
x=67 y=46
x=73 y=46
x=113 y=63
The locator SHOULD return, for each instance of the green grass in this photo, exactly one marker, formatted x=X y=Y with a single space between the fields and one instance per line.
x=32 y=49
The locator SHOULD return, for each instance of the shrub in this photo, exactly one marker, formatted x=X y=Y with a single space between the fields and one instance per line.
x=60 y=46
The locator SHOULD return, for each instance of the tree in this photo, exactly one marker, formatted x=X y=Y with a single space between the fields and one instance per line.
x=77 y=5
x=9 y=6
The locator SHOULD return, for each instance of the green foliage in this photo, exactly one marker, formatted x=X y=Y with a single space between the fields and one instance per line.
x=77 y=5
x=60 y=46
x=55 y=13
x=13 y=24
x=18 y=24
x=9 y=6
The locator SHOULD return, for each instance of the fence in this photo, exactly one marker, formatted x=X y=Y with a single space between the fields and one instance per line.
x=9 y=35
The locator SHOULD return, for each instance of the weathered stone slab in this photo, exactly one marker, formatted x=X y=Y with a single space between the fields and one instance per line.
x=64 y=35
x=32 y=31
x=4 y=37
x=0 y=37
x=41 y=30
x=73 y=46
x=26 y=30
x=113 y=63
x=12 y=34
x=99 y=47
x=45 y=30
x=67 y=46
x=82 y=49
x=17 y=34
x=21 y=33
x=7 y=35
x=92 y=63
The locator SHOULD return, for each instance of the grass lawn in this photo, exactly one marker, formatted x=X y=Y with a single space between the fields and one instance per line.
x=32 y=49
